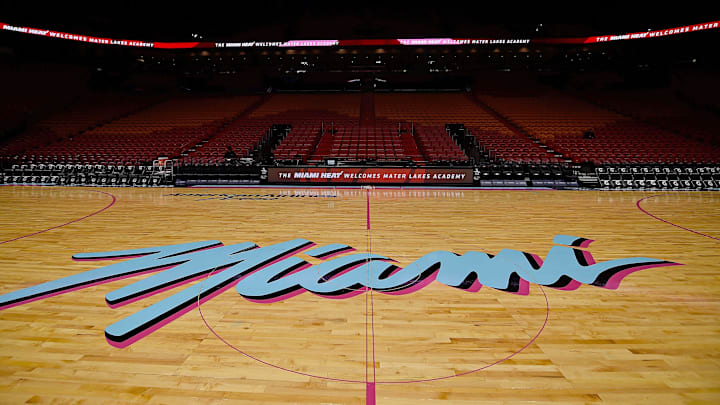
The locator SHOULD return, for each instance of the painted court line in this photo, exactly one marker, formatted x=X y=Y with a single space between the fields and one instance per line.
x=70 y=222
x=666 y=221
x=372 y=382
x=370 y=386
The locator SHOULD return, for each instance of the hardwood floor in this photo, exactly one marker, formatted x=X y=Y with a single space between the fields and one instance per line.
x=655 y=339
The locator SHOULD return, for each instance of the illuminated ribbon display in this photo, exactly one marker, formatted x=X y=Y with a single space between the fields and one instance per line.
x=362 y=42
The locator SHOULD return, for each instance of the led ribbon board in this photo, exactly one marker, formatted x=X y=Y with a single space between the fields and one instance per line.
x=362 y=42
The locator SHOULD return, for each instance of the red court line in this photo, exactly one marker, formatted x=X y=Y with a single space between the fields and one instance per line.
x=666 y=221
x=424 y=380
x=370 y=387
x=70 y=222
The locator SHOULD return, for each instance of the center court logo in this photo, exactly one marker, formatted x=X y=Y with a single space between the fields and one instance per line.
x=272 y=273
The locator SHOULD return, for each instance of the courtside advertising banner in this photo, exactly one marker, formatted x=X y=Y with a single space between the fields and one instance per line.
x=367 y=175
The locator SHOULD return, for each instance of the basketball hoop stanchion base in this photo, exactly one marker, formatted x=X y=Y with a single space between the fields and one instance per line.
x=163 y=169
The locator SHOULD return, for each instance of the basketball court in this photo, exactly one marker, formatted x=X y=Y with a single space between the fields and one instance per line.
x=652 y=337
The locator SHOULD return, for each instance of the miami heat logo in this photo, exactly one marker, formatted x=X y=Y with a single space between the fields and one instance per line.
x=273 y=273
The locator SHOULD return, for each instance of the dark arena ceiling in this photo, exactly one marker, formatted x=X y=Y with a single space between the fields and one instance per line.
x=333 y=67
x=279 y=20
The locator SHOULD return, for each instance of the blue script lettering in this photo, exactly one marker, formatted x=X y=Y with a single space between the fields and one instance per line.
x=269 y=274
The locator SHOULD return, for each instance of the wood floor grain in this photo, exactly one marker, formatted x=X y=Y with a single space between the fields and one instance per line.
x=656 y=339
